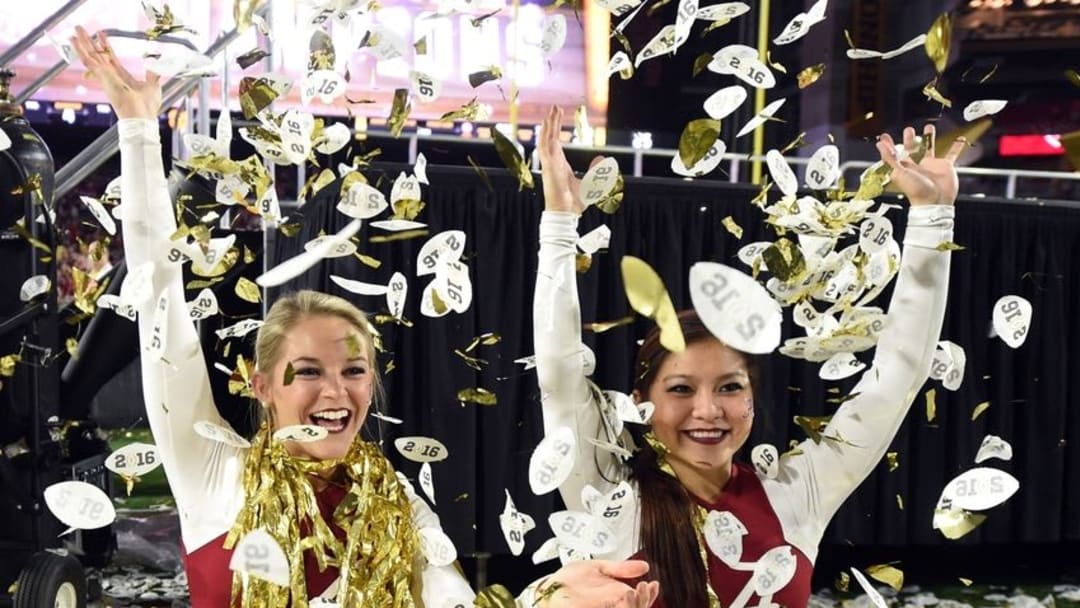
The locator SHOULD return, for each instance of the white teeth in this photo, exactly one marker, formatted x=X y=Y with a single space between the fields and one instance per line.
x=707 y=434
x=331 y=414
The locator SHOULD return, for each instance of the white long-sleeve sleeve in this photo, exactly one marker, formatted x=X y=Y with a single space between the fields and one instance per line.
x=176 y=386
x=812 y=485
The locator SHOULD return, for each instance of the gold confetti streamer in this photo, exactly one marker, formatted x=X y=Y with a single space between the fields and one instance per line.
x=610 y=203
x=931 y=92
x=938 y=40
x=887 y=574
x=164 y=23
x=407 y=208
x=247 y=290
x=989 y=74
x=931 y=404
x=795 y=144
x=256 y=94
x=399 y=236
x=949 y=246
x=697 y=138
x=810 y=75
x=203 y=283
x=367 y=260
x=893 y=459
x=478 y=21
x=478 y=396
x=900 y=502
x=473 y=362
x=979 y=409
x=468 y=111
x=647 y=295
x=784 y=259
x=602 y=326
x=399 y=112
x=496 y=596
x=732 y=227
x=513 y=160
x=290 y=374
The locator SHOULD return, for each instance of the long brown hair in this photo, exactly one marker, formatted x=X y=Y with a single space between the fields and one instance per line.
x=668 y=539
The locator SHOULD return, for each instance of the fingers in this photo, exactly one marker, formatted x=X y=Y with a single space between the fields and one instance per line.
x=887 y=149
x=623 y=569
x=909 y=139
x=930 y=139
x=956 y=149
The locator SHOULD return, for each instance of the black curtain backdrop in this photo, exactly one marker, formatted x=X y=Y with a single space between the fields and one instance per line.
x=1012 y=247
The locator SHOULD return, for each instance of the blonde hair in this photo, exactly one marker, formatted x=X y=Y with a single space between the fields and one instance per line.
x=291 y=308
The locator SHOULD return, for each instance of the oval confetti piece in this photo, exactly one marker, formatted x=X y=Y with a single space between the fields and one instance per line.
x=362 y=202
x=754 y=73
x=554 y=37
x=204 y=305
x=735 y=308
x=100 y=214
x=748 y=253
x=454 y=285
x=437 y=547
x=1012 y=319
x=138 y=287
x=396 y=290
x=646 y=410
x=547 y=551
x=661 y=44
x=34 y=287
x=397 y=225
x=260 y=556
x=766 y=460
x=340 y=248
x=724 y=10
x=599 y=181
x=216 y=432
x=596 y=239
x=296 y=129
x=685 y=16
x=984 y=107
x=582 y=532
x=443 y=247
x=326 y=85
x=301 y=433
x=979 y=489
x=432 y=304
x=385 y=418
x=722 y=61
x=994 y=447
x=238 y=330
x=515 y=525
x=619 y=61
x=801 y=23
x=79 y=505
x=297 y=264
x=5 y=141
x=704 y=166
x=427 y=481
x=616 y=504
x=760 y=118
x=421 y=449
x=722 y=103
x=875 y=234
x=774 y=570
x=406 y=187
x=868 y=588
x=954 y=376
x=552 y=461
x=358 y=287
x=724 y=536
x=334 y=138
x=420 y=168
x=155 y=349
x=133 y=460
x=781 y=173
x=840 y=366
x=823 y=168
x=647 y=295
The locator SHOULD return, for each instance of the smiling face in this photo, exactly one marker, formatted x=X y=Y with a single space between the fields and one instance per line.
x=332 y=385
x=704 y=408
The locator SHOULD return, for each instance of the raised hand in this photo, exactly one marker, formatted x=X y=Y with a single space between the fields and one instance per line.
x=562 y=190
x=129 y=97
x=933 y=181
x=599 y=584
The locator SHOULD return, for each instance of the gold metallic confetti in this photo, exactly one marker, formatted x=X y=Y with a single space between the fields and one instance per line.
x=251 y=57
x=955 y=523
x=72 y=346
x=545 y=594
x=893 y=459
x=795 y=144
x=776 y=65
x=732 y=227
x=1071 y=143
x=290 y=374
x=513 y=160
x=240 y=379
x=697 y=139
x=931 y=404
x=900 y=502
x=32 y=185
x=321 y=54
x=478 y=78
x=485 y=339
x=352 y=346
x=7 y=365
x=367 y=260
x=478 y=396
x=966 y=581
x=647 y=295
x=582 y=263
x=390 y=366
x=784 y=259
x=86 y=290
x=887 y=574
x=602 y=326
x=810 y=75
x=468 y=111
x=247 y=290
x=931 y=92
x=949 y=246
x=480 y=171
x=400 y=236
x=399 y=112
x=243 y=13
x=979 y=409
x=203 y=283
x=256 y=94
x=610 y=203
x=164 y=22
x=873 y=182
x=249 y=255
x=989 y=74
x=1073 y=77
x=478 y=21
x=938 y=40
x=407 y=209
x=655 y=6
x=473 y=362
x=701 y=62
x=842 y=582
x=494 y=596
x=420 y=46
x=813 y=426
x=719 y=23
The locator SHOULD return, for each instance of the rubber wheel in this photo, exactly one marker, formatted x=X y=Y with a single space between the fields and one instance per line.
x=51 y=581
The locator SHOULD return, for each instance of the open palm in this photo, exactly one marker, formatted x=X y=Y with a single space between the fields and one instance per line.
x=129 y=96
x=562 y=189
x=599 y=584
x=931 y=181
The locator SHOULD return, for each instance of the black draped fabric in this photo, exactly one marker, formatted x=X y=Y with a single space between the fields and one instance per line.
x=1017 y=247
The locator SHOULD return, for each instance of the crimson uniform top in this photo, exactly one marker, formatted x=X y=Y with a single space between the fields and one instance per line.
x=782 y=518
